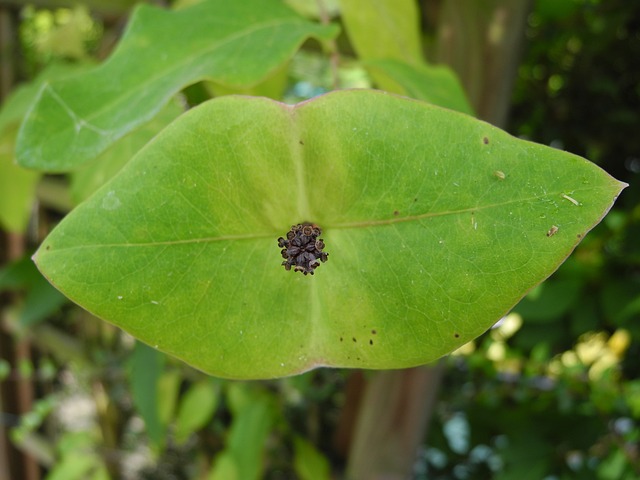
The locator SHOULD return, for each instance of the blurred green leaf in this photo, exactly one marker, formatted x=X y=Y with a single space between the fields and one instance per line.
x=632 y=397
x=17 y=186
x=145 y=370
x=614 y=467
x=527 y=457
x=621 y=303
x=272 y=87
x=308 y=462
x=553 y=10
x=585 y=315
x=196 y=409
x=5 y=369
x=72 y=467
x=251 y=425
x=383 y=29
x=168 y=392
x=434 y=84
x=551 y=300
x=16 y=105
x=225 y=467
x=77 y=458
x=41 y=299
x=75 y=119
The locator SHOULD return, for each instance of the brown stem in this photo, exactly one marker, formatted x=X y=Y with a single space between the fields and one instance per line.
x=482 y=42
x=17 y=398
x=395 y=411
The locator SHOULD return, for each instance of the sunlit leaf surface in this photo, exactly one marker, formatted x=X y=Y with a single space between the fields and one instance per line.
x=232 y=43
x=436 y=224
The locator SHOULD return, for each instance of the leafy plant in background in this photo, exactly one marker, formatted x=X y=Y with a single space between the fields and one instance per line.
x=180 y=242
x=436 y=223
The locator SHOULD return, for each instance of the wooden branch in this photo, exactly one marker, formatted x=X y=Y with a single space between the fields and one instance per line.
x=392 y=421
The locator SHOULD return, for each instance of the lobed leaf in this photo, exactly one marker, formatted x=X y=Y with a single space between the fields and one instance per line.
x=436 y=225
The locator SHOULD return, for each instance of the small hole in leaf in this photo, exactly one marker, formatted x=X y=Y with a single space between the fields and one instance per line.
x=370 y=342
x=302 y=248
x=373 y=332
x=456 y=335
x=341 y=339
x=47 y=247
x=396 y=213
x=485 y=140
x=354 y=339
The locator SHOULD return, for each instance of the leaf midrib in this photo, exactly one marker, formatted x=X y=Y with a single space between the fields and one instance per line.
x=346 y=225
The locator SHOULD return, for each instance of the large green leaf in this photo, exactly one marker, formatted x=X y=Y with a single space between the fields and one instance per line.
x=436 y=225
x=232 y=43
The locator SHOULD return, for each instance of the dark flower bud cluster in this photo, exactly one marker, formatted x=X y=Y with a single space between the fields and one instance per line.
x=302 y=249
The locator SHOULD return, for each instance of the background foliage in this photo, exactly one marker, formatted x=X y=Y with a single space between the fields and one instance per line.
x=551 y=392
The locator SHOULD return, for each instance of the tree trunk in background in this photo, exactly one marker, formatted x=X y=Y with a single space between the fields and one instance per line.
x=391 y=422
x=482 y=42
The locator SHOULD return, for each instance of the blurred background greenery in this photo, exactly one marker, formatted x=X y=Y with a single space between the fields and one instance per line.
x=551 y=392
